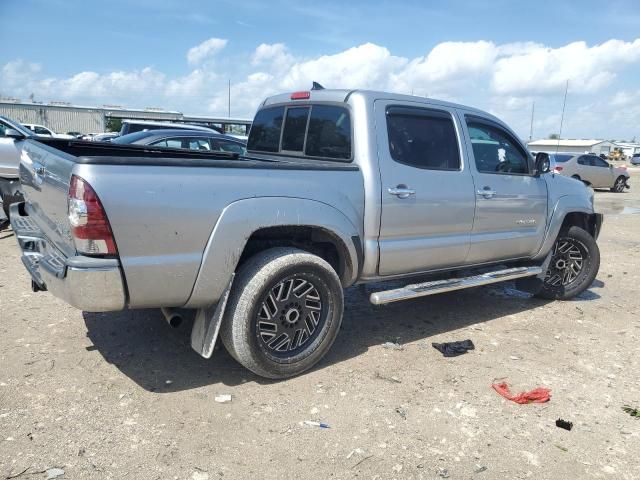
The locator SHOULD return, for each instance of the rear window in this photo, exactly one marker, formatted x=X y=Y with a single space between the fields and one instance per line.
x=562 y=158
x=322 y=131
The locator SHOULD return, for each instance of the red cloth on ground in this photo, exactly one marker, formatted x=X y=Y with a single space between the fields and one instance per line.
x=537 y=395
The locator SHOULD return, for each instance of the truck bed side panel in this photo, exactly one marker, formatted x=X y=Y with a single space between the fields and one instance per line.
x=162 y=216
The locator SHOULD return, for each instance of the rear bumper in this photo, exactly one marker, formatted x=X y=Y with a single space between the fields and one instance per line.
x=91 y=284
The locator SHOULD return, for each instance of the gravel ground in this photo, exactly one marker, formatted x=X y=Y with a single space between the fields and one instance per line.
x=121 y=395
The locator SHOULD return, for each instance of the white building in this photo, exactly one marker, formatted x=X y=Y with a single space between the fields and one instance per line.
x=572 y=146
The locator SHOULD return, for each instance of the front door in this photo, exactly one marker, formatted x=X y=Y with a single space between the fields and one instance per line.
x=427 y=190
x=511 y=203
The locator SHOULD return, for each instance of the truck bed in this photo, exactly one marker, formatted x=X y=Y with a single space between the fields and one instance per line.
x=163 y=205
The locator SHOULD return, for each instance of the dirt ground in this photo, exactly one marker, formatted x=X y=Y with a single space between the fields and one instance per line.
x=122 y=395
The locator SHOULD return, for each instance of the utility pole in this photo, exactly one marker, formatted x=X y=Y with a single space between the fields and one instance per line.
x=533 y=107
x=229 y=109
x=564 y=104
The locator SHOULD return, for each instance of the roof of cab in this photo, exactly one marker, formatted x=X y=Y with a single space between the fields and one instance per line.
x=343 y=95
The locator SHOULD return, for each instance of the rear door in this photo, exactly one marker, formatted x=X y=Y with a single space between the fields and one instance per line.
x=511 y=203
x=427 y=191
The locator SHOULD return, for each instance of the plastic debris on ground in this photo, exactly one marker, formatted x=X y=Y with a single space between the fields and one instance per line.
x=54 y=473
x=225 y=398
x=311 y=423
x=453 y=349
x=537 y=395
x=564 y=424
x=634 y=412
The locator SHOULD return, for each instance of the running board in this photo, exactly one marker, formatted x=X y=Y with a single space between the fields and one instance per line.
x=441 y=286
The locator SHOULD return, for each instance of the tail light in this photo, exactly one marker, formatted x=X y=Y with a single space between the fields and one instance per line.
x=89 y=224
x=557 y=169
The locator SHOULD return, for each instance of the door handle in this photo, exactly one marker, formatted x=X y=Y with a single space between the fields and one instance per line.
x=401 y=191
x=486 y=192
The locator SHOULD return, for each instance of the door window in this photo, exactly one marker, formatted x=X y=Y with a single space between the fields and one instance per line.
x=198 y=144
x=226 y=146
x=169 y=143
x=598 y=162
x=3 y=128
x=41 y=131
x=422 y=138
x=495 y=150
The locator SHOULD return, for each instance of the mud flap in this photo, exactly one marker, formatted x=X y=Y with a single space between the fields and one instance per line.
x=534 y=285
x=207 y=324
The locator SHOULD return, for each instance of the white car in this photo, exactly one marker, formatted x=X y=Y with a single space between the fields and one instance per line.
x=43 y=131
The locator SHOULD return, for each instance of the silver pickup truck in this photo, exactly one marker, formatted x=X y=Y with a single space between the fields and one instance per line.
x=339 y=187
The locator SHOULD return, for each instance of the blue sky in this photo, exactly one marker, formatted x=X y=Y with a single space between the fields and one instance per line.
x=498 y=55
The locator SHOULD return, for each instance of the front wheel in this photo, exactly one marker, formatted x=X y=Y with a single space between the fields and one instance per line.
x=573 y=267
x=619 y=185
x=283 y=313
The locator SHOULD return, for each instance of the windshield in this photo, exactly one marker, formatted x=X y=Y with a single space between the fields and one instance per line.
x=132 y=137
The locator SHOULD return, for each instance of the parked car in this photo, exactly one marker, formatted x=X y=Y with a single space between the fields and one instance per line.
x=104 y=137
x=592 y=170
x=11 y=136
x=132 y=126
x=76 y=134
x=43 y=131
x=635 y=159
x=338 y=187
x=186 y=139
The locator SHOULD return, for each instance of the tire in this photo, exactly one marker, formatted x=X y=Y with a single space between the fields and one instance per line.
x=574 y=247
x=619 y=184
x=283 y=313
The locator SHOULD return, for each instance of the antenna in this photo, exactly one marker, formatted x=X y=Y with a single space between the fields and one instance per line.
x=229 y=107
x=533 y=107
x=564 y=104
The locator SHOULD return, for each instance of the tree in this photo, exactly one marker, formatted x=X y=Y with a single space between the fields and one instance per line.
x=113 y=124
x=554 y=136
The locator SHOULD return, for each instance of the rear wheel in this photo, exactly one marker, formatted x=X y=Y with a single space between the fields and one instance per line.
x=619 y=184
x=284 y=312
x=573 y=267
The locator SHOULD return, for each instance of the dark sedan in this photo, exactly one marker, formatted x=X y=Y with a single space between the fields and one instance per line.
x=185 y=139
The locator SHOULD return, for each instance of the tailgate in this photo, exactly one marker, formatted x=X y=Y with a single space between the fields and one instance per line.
x=45 y=173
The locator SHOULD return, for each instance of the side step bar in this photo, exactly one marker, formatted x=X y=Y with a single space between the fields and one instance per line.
x=441 y=286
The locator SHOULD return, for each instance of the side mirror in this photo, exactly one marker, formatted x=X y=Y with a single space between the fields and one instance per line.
x=13 y=133
x=543 y=163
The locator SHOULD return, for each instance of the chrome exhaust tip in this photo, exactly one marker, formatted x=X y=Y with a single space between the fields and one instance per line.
x=174 y=319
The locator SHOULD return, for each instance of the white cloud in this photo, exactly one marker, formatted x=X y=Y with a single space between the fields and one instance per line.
x=502 y=78
x=206 y=49
x=538 y=69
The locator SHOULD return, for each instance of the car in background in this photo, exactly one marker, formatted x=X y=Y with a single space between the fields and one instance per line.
x=76 y=134
x=132 y=126
x=43 y=131
x=104 y=137
x=590 y=169
x=635 y=159
x=186 y=140
x=12 y=135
